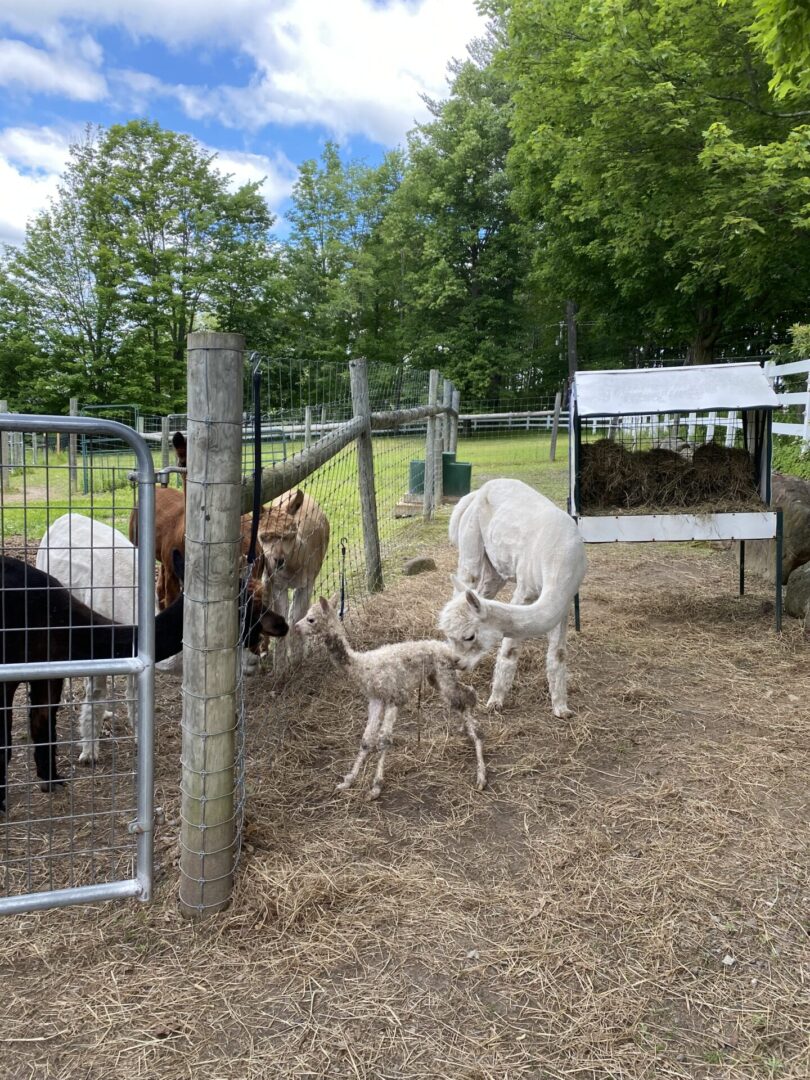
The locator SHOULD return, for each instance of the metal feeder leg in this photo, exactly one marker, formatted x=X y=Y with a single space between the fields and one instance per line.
x=742 y=568
x=779 y=545
x=576 y=613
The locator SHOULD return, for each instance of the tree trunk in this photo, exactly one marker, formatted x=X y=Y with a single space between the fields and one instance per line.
x=709 y=327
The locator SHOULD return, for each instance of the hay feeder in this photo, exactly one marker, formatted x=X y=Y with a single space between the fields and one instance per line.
x=674 y=454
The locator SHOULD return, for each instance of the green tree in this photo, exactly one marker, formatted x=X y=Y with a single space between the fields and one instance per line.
x=143 y=241
x=62 y=285
x=631 y=208
x=781 y=29
x=178 y=233
x=455 y=240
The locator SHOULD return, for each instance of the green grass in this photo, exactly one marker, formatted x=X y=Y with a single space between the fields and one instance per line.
x=37 y=499
x=519 y=457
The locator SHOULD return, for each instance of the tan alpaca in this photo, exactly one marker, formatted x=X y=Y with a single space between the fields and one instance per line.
x=388 y=676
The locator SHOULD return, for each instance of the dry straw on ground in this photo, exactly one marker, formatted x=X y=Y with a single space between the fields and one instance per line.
x=629 y=899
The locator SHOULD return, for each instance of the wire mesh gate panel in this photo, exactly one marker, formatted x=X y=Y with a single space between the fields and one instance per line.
x=79 y=808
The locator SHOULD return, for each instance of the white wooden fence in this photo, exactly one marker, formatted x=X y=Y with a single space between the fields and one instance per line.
x=801 y=398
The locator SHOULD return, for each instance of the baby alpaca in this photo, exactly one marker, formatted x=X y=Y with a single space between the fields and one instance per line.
x=388 y=676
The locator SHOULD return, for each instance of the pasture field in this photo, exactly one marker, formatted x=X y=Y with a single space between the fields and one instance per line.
x=629 y=898
x=35 y=501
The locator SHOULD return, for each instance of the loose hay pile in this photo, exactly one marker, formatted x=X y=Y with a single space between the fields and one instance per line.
x=627 y=901
x=714 y=479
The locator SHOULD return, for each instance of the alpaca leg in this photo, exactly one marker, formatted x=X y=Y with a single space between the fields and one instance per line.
x=91 y=717
x=298 y=609
x=7 y=692
x=383 y=742
x=506 y=664
x=250 y=662
x=45 y=697
x=505 y=668
x=375 y=713
x=481 y=769
x=462 y=700
x=557 y=670
x=281 y=655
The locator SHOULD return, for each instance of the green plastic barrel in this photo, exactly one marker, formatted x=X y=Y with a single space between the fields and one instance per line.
x=416 y=478
x=456 y=478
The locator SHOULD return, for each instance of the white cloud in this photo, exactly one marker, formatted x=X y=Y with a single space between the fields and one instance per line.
x=31 y=161
x=66 y=73
x=277 y=174
x=353 y=66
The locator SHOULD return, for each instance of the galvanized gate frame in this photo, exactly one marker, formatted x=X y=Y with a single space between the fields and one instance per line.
x=143 y=666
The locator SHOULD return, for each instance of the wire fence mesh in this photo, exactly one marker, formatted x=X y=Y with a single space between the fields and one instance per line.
x=299 y=406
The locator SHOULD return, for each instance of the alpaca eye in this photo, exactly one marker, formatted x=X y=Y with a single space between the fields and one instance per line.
x=468 y=637
x=310 y=620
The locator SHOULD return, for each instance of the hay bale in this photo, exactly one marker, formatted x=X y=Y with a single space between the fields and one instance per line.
x=715 y=478
x=608 y=475
x=720 y=473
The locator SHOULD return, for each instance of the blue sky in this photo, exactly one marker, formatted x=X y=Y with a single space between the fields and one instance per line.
x=262 y=82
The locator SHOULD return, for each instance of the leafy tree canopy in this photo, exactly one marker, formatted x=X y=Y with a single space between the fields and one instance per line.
x=627 y=118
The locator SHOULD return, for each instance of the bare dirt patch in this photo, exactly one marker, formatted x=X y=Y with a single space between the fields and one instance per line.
x=628 y=899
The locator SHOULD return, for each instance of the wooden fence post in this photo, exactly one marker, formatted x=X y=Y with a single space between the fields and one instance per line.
x=447 y=401
x=211 y=621
x=164 y=442
x=307 y=427
x=438 y=464
x=73 y=468
x=454 y=421
x=358 y=375
x=555 y=427
x=429 y=498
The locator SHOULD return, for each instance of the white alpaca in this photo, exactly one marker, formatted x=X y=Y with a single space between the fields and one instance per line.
x=388 y=676
x=99 y=566
x=507 y=531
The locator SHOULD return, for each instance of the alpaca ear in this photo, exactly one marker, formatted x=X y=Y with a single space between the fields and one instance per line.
x=334 y=601
x=324 y=603
x=474 y=602
x=458 y=584
x=295 y=502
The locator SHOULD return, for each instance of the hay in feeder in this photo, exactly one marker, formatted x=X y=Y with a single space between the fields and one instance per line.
x=715 y=479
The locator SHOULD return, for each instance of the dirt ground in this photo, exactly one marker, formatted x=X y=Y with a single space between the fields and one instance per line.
x=630 y=897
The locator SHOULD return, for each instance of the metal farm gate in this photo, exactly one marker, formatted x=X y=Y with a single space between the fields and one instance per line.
x=92 y=839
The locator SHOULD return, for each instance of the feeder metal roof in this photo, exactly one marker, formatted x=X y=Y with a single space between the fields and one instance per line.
x=631 y=391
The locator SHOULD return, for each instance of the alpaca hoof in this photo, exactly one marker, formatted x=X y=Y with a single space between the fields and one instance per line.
x=374 y=794
x=562 y=712
x=49 y=786
x=344 y=785
x=481 y=785
x=88 y=756
x=495 y=704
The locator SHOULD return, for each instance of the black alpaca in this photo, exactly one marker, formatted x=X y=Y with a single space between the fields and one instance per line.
x=40 y=620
